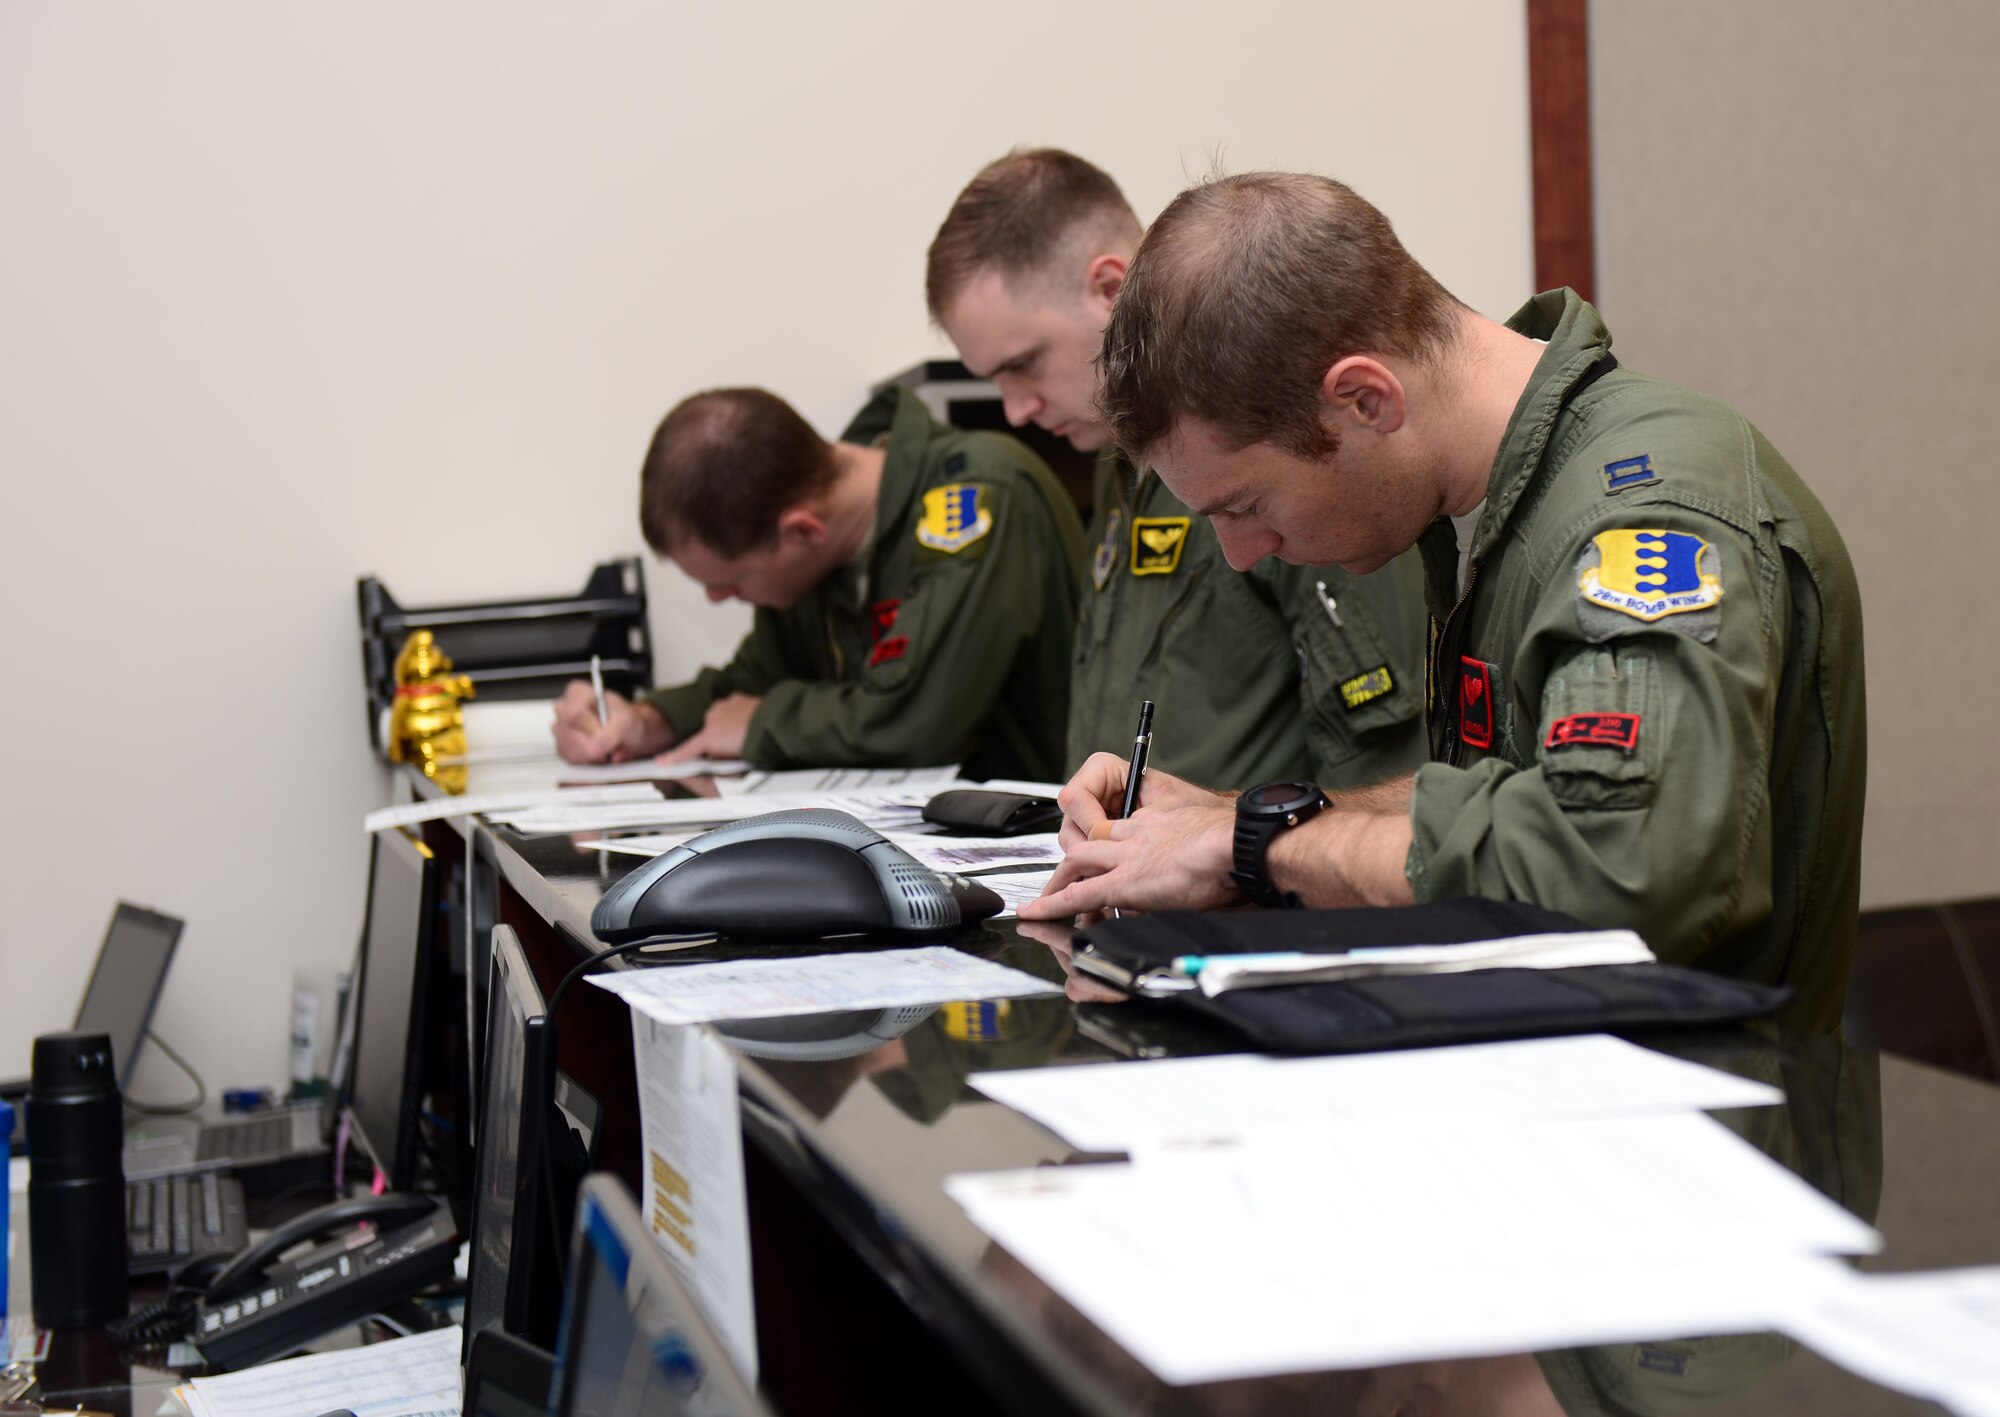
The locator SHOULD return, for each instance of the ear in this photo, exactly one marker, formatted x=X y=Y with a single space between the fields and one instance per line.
x=1103 y=278
x=801 y=526
x=1364 y=393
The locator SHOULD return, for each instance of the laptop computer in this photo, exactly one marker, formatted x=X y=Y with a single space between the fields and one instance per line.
x=123 y=991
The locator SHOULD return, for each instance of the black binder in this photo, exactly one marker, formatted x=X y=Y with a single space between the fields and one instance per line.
x=1410 y=1010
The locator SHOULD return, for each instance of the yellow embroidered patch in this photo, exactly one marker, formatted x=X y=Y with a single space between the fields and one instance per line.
x=1366 y=688
x=1157 y=543
x=953 y=518
x=1650 y=574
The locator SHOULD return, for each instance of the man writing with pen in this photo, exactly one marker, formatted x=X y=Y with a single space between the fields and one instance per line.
x=915 y=587
x=1645 y=697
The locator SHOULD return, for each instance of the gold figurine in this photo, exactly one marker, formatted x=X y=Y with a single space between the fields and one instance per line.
x=425 y=722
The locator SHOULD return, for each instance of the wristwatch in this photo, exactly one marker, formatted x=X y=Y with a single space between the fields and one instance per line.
x=1261 y=813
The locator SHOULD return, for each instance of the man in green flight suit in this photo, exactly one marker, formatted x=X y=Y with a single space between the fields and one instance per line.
x=915 y=589
x=1287 y=671
x=1645 y=688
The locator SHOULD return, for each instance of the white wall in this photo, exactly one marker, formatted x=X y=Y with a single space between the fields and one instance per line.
x=291 y=294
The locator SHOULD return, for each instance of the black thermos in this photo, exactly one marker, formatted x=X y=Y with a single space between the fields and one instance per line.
x=76 y=1183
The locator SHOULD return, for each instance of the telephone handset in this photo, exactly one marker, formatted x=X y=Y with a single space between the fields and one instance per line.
x=244 y=1270
x=364 y=1254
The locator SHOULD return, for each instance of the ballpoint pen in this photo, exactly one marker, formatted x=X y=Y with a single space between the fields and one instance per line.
x=1142 y=746
x=1332 y=606
x=597 y=688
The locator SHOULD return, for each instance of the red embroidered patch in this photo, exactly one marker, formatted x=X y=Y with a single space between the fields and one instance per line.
x=1475 y=702
x=889 y=649
x=1596 y=730
x=883 y=613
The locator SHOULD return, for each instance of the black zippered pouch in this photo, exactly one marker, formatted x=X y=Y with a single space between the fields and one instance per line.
x=1410 y=1010
x=987 y=813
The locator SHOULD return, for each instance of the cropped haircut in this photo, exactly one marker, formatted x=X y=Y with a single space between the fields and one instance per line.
x=1244 y=293
x=1019 y=215
x=723 y=465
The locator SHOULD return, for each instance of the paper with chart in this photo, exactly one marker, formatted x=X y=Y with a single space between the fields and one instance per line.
x=528 y=799
x=404 y=1377
x=1016 y=889
x=822 y=782
x=1096 y=1108
x=1935 y=1334
x=813 y=984
x=694 y=1200
x=959 y=854
x=1383 y=1242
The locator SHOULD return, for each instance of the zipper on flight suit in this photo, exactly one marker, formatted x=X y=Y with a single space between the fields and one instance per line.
x=1444 y=652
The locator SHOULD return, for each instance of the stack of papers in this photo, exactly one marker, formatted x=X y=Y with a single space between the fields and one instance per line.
x=405 y=1377
x=888 y=809
x=1568 y=950
x=1396 y=1207
x=779 y=988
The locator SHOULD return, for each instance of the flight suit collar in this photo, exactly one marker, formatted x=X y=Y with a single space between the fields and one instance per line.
x=1577 y=339
x=901 y=415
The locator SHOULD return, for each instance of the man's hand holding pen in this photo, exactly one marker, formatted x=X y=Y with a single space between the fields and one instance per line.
x=1172 y=853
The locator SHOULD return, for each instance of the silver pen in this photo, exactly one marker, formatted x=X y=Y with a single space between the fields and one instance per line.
x=1332 y=609
x=597 y=688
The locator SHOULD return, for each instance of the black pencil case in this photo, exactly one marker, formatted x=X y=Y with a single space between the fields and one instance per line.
x=987 y=813
x=1410 y=1010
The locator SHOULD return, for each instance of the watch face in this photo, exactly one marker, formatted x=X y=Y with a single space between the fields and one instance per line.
x=1274 y=796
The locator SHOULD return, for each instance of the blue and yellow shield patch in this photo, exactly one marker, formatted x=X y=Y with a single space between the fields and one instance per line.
x=953 y=518
x=1649 y=574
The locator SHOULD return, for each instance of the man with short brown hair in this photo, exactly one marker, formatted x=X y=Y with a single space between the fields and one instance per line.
x=915 y=588
x=1285 y=671
x=1644 y=688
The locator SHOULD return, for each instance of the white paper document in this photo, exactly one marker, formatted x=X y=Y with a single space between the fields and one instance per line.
x=1195 y=1100
x=820 y=782
x=1935 y=1335
x=405 y=1377
x=959 y=854
x=648 y=770
x=1568 y=950
x=694 y=1201
x=778 y=988
x=1016 y=889
x=894 y=809
x=493 y=803
x=1382 y=1242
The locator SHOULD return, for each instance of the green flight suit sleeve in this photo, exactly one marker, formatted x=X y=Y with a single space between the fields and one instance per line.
x=759 y=662
x=938 y=668
x=1666 y=834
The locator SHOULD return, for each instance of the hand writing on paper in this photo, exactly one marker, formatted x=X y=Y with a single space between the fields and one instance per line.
x=1173 y=853
x=721 y=733
x=633 y=731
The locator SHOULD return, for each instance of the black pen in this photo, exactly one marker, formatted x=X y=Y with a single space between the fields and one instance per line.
x=1142 y=745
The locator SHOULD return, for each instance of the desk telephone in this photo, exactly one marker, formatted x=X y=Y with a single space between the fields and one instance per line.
x=244 y=1308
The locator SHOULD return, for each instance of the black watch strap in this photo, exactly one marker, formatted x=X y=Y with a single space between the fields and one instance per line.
x=1250 y=863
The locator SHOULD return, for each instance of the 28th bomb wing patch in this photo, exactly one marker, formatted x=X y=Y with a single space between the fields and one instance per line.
x=1650 y=575
x=953 y=518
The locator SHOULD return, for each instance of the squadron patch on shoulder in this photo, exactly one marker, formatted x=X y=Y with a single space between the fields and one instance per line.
x=1157 y=543
x=1106 y=559
x=1366 y=688
x=1648 y=574
x=1629 y=472
x=953 y=518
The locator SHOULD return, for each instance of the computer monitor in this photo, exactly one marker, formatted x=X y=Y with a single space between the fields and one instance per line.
x=513 y=1281
x=125 y=986
x=633 y=1340
x=385 y=1094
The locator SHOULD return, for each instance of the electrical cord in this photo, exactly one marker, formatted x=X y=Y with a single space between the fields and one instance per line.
x=171 y=1109
x=546 y=1087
